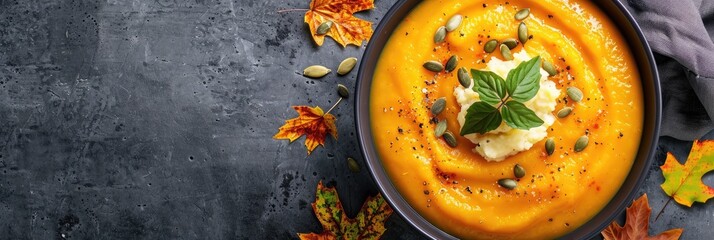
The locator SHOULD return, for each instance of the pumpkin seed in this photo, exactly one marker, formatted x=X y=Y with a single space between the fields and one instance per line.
x=453 y=22
x=519 y=171
x=575 y=94
x=342 y=91
x=440 y=128
x=451 y=64
x=316 y=71
x=346 y=66
x=506 y=52
x=548 y=67
x=464 y=77
x=433 y=66
x=438 y=106
x=450 y=139
x=353 y=165
x=550 y=146
x=581 y=143
x=522 y=14
x=440 y=35
x=324 y=28
x=522 y=33
x=490 y=46
x=510 y=42
x=507 y=183
x=564 y=112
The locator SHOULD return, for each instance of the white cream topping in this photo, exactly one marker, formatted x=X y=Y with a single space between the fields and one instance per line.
x=505 y=141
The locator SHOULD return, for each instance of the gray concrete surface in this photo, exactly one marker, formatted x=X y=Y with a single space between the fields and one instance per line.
x=126 y=119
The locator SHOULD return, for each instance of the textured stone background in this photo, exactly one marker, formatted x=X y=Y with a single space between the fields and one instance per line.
x=126 y=119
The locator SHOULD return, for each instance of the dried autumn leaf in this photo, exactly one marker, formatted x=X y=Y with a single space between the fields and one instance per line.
x=346 y=29
x=311 y=122
x=684 y=182
x=369 y=223
x=637 y=224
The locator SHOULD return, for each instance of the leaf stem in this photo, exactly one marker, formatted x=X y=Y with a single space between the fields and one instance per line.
x=333 y=106
x=501 y=104
x=663 y=207
x=293 y=10
x=503 y=101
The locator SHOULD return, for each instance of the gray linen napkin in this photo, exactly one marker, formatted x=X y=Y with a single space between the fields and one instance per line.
x=680 y=33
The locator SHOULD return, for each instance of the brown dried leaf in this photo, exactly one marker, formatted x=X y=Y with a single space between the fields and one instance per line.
x=637 y=224
x=368 y=224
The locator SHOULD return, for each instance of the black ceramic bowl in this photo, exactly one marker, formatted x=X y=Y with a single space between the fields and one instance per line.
x=650 y=83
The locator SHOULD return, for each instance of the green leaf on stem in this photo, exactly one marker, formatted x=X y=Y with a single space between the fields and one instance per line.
x=523 y=82
x=481 y=118
x=489 y=86
x=502 y=100
x=517 y=115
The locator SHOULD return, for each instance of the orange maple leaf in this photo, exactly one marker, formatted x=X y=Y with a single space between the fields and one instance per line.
x=683 y=182
x=637 y=224
x=346 y=28
x=311 y=122
x=368 y=224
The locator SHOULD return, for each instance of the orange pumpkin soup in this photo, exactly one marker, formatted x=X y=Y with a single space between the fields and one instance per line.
x=456 y=188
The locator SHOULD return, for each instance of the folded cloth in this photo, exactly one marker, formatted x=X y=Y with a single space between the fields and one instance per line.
x=680 y=33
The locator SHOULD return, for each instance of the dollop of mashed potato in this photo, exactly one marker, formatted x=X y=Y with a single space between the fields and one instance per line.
x=505 y=141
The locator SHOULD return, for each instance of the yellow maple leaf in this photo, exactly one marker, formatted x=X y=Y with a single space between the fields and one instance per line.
x=311 y=122
x=683 y=182
x=637 y=224
x=346 y=29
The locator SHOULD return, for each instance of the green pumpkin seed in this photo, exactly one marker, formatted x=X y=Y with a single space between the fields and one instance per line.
x=464 y=77
x=490 y=46
x=506 y=52
x=450 y=139
x=507 y=183
x=440 y=35
x=575 y=94
x=519 y=171
x=451 y=64
x=433 y=66
x=510 y=42
x=324 y=28
x=342 y=91
x=522 y=14
x=581 y=144
x=453 y=22
x=522 y=33
x=316 y=71
x=438 y=106
x=564 y=112
x=440 y=128
x=346 y=66
x=548 y=67
x=353 y=165
x=550 y=146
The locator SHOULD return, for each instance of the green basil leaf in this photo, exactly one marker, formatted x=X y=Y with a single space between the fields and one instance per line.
x=523 y=82
x=481 y=117
x=489 y=86
x=517 y=115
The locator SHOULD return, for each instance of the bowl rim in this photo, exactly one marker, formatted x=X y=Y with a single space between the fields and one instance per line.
x=645 y=155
